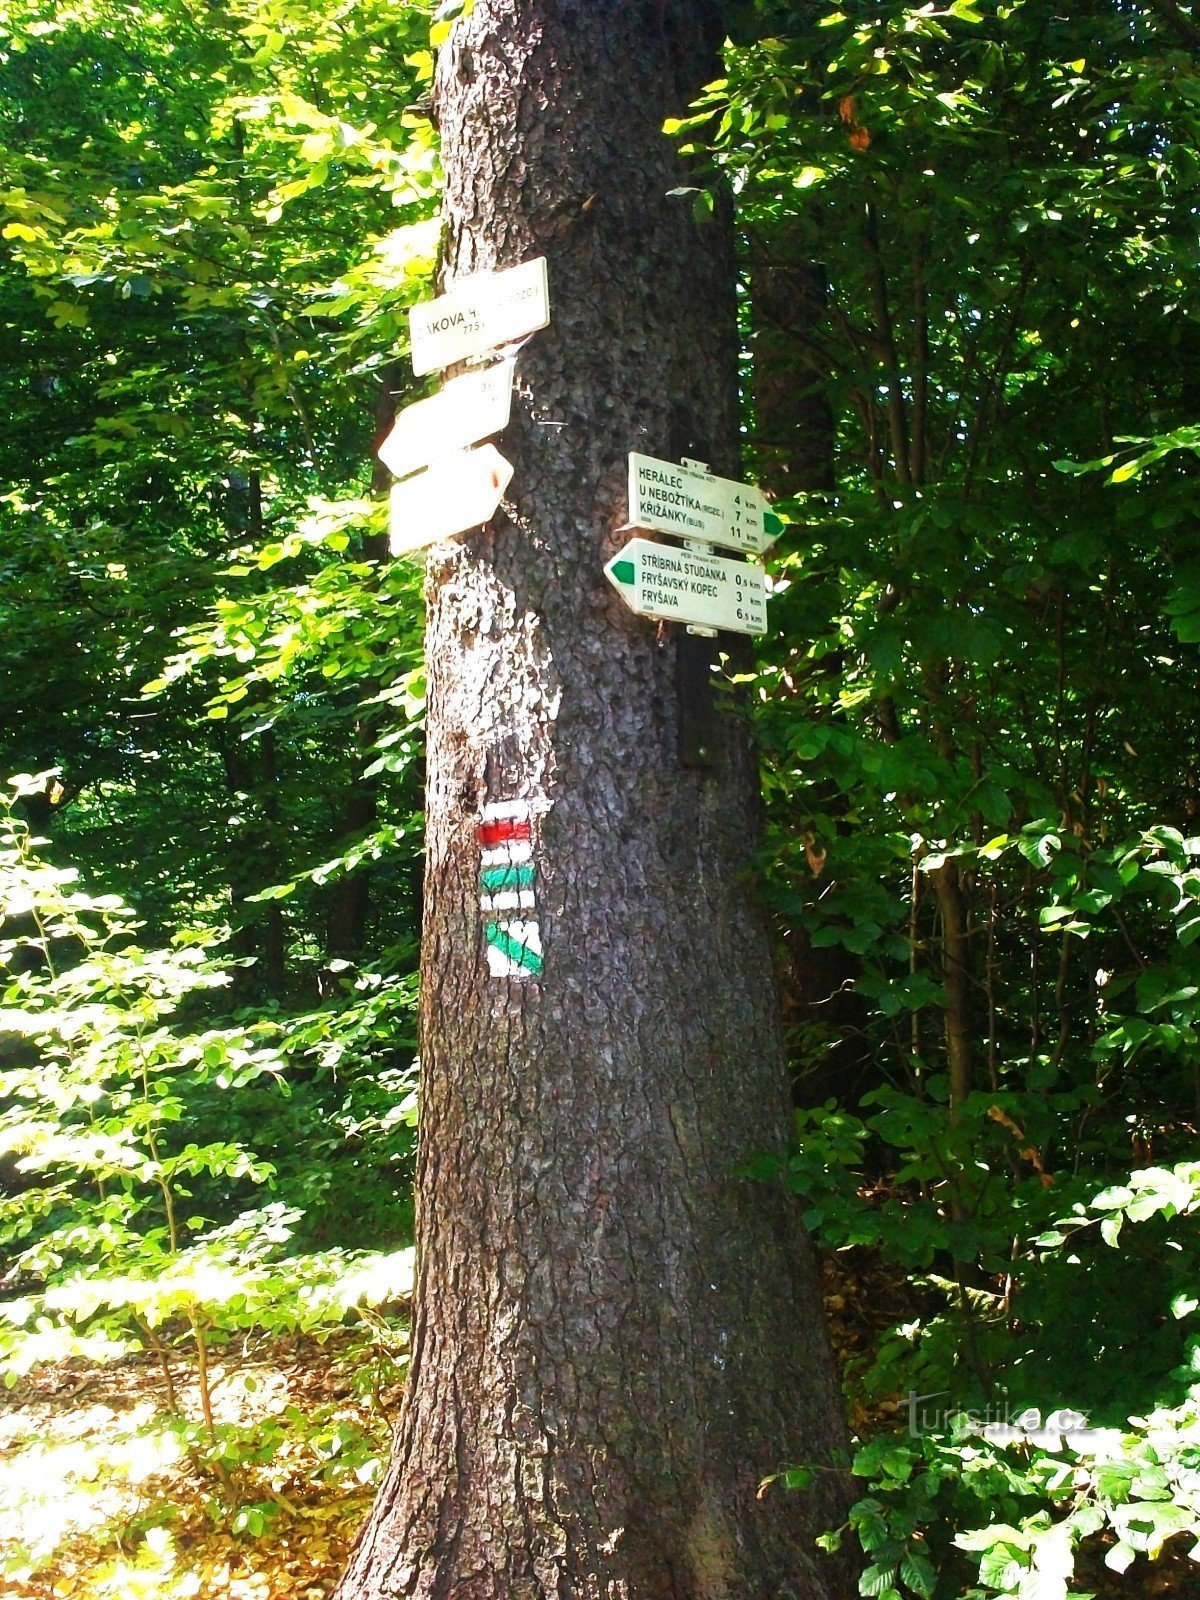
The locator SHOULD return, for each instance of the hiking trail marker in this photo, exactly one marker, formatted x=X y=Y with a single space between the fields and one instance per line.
x=458 y=492
x=666 y=497
x=478 y=314
x=465 y=410
x=673 y=585
x=507 y=878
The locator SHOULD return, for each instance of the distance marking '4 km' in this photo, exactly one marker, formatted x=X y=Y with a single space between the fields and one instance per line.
x=687 y=501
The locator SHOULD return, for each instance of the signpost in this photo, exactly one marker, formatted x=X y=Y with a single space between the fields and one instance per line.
x=466 y=410
x=460 y=488
x=458 y=492
x=480 y=313
x=658 y=580
x=685 y=500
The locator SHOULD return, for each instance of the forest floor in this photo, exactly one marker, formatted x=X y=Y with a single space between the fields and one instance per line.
x=104 y=1494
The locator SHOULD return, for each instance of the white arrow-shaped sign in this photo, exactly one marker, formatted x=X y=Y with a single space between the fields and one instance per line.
x=694 y=504
x=658 y=580
x=464 y=411
x=458 y=492
x=479 y=314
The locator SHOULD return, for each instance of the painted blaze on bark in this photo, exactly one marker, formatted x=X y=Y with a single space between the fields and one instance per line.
x=615 y=1335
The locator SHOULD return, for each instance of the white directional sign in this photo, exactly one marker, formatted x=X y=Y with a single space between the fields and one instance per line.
x=693 y=504
x=658 y=580
x=466 y=410
x=458 y=492
x=480 y=313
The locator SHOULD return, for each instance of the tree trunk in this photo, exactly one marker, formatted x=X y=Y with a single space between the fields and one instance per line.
x=794 y=453
x=253 y=862
x=616 y=1335
x=956 y=966
x=795 y=430
x=349 y=898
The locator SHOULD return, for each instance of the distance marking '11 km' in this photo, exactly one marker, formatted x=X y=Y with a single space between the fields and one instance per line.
x=658 y=580
x=479 y=314
x=692 y=504
x=458 y=492
x=464 y=411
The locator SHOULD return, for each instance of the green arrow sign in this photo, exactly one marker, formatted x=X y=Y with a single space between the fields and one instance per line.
x=663 y=581
x=684 y=499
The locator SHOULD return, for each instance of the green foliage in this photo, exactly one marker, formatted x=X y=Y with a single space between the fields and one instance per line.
x=1026 y=1500
x=969 y=1200
x=968 y=265
x=976 y=713
x=212 y=228
x=1026 y=1514
x=203 y=285
x=111 y=1219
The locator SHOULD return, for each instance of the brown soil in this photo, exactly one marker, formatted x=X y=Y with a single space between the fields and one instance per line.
x=101 y=1496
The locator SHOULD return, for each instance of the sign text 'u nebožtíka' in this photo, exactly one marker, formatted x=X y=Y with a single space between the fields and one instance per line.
x=665 y=497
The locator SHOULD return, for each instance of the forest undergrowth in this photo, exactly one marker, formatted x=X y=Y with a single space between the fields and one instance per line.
x=100 y=1497
x=968 y=281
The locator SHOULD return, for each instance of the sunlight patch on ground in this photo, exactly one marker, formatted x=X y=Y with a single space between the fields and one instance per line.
x=86 y=1474
x=103 y=1497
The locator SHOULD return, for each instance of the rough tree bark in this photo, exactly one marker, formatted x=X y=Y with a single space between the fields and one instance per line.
x=616 y=1335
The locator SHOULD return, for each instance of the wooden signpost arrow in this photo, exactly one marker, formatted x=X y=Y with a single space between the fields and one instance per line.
x=465 y=410
x=658 y=580
x=461 y=490
x=667 y=497
x=458 y=492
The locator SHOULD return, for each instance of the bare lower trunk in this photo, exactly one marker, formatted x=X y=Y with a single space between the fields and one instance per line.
x=617 y=1336
x=956 y=957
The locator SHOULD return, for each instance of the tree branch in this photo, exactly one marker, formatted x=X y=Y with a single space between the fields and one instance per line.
x=897 y=419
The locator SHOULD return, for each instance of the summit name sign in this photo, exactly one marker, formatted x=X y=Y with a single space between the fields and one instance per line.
x=479 y=314
x=665 y=497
